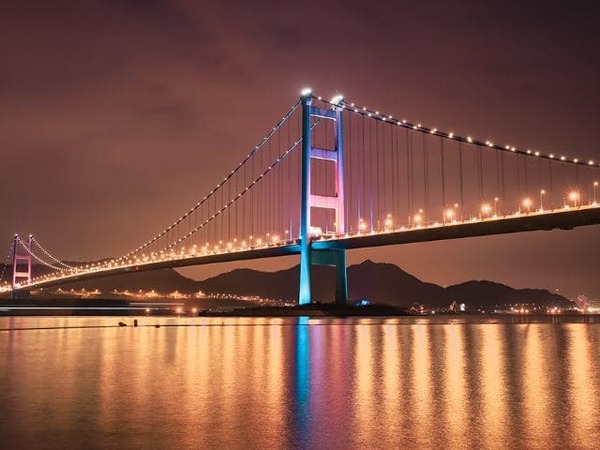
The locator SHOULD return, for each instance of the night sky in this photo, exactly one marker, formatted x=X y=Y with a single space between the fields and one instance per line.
x=116 y=116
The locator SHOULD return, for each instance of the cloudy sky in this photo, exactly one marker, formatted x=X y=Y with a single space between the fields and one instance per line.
x=117 y=115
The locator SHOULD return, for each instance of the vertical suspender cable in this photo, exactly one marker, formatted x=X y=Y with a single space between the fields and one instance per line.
x=371 y=181
x=384 y=168
x=288 y=185
x=393 y=169
x=480 y=172
x=229 y=212
x=497 y=172
x=525 y=164
x=443 y=163
x=378 y=173
x=540 y=174
x=460 y=176
x=425 y=172
x=363 y=165
x=348 y=157
x=502 y=172
x=409 y=173
x=519 y=175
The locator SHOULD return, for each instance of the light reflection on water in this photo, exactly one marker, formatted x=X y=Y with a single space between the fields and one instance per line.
x=300 y=383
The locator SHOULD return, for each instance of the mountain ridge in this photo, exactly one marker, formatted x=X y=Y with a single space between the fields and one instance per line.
x=382 y=283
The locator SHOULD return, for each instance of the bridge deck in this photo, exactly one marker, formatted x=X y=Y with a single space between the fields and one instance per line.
x=565 y=219
x=562 y=219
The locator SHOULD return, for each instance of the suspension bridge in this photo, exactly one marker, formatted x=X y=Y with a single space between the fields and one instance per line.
x=332 y=176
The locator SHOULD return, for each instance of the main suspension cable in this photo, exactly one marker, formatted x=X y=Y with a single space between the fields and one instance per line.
x=38 y=258
x=219 y=185
x=53 y=258
x=217 y=213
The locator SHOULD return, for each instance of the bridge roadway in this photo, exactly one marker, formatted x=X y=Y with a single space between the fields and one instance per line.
x=565 y=219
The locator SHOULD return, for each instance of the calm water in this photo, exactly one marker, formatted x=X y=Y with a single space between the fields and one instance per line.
x=439 y=383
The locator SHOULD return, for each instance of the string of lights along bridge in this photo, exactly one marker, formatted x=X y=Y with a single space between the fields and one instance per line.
x=332 y=176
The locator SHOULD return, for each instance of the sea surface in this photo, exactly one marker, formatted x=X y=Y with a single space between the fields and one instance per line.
x=300 y=383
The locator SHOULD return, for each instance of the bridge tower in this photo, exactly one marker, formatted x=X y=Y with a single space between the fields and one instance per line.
x=18 y=259
x=327 y=256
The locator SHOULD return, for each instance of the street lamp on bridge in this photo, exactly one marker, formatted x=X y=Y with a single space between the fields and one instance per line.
x=362 y=226
x=388 y=222
x=486 y=209
x=449 y=214
x=574 y=198
x=418 y=218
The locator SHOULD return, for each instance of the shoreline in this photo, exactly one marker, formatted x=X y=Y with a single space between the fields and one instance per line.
x=168 y=309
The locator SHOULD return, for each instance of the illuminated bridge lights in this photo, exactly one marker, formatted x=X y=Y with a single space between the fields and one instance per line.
x=239 y=245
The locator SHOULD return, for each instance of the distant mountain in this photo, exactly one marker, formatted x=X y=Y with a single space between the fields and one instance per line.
x=163 y=280
x=387 y=283
x=476 y=292
x=377 y=282
x=282 y=284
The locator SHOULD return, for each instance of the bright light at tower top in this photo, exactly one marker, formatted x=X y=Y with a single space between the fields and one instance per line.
x=306 y=92
x=336 y=100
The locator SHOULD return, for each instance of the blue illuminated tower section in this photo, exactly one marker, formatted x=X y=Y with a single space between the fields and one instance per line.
x=325 y=256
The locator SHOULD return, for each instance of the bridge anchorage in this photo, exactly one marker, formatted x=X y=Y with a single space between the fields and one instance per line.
x=332 y=176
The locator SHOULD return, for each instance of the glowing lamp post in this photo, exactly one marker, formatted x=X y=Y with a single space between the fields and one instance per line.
x=527 y=204
x=542 y=193
x=418 y=218
x=496 y=206
x=449 y=214
x=485 y=210
x=388 y=222
x=574 y=198
x=362 y=226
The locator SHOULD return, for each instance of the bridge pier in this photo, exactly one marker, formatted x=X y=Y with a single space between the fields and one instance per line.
x=19 y=295
x=337 y=259
x=327 y=256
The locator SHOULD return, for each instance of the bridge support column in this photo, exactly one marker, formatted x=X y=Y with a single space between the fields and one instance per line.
x=308 y=257
x=20 y=259
x=305 y=296
x=337 y=259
